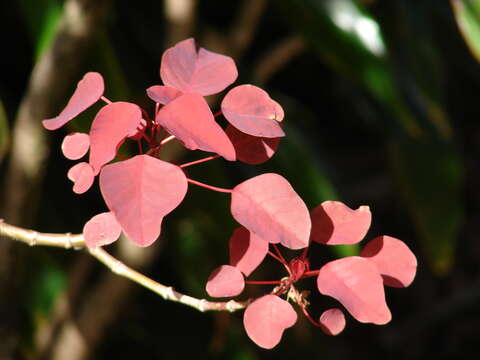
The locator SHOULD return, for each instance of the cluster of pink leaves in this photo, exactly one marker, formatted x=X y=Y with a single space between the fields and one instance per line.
x=357 y=282
x=140 y=191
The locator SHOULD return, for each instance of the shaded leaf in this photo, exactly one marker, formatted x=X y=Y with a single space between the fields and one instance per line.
x=250 y=149
x=225 y=281
x=332 y=321
x=266 y=319
x=356 y=283
x=82 y=176
x=88 y=92
x=200 y=72
x=163 y=94
x=140 y=191
x=112 y=124
x=251 y=110
x=102 y=229
x=247 y=250
x=394 y=260
x=190 y=119
x=334 y=223
x=75 y=145
x=268 y=206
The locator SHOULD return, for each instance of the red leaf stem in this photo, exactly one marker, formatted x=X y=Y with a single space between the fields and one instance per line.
x=210 y=187
x=218 y=113
x=277 y=250
x=276 y=257
x=252 y=282
x=307 y=315
x=308 y=274
x=208 y=158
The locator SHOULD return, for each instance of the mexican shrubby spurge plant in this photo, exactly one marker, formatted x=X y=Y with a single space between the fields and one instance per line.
x=142 y=190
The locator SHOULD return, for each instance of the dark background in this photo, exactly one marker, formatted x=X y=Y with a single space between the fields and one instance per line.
x=381 y=102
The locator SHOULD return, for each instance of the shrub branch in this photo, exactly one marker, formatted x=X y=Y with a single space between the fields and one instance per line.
x=76 y=241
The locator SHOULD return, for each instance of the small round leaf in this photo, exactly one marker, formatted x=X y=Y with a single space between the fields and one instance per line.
x=225 y=281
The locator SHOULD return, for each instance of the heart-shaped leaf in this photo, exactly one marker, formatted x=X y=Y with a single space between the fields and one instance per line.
x=266 y=319
x=195 y=71
x=82 y=176
x=102 y=229
x=253 y=112
x=268 y=206
x=163 y=94
x=75 y=145
x=357 y=284
x=394 y=260
x=140 y=191
x=113 y=123
x=225 y=281
x=334 y=223
x=247 y=250
x=250 y=149
x=332 y=321
x=189 y=118
x=87 y=93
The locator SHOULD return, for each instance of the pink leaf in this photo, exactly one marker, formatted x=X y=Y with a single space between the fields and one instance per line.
x=102 y=229
x=162 y=94
x=195 y=71
x=252 y=149
x=113 y=123
x=268 y=206
x=394 y=260
x=82 y=176
x=140 y=191
x=266 y=319
x=87 y=93
x=189 y=118
x=225 y=281
x=75 y=145
x=334 y=223
x=247 y=250
x=356 y=283
x=332 y=321
x=137 y=134
x=253 y=112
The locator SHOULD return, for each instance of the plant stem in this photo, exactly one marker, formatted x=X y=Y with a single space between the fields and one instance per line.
x=210 y=187
x=273 y=282
x=283 y=261
x=307 y=315
x=167 y=139
x=276 y=257
x=307 y=274
x=106 y=100
x=77 y=241
x=218 y=113
x=199 y=161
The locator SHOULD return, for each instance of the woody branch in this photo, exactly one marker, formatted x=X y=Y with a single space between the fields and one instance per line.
x=76 y=241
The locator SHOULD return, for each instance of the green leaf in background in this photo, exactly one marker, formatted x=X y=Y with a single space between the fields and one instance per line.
x=349 y=40
x=4 y=132
x=42 y=18
x=430 y=175
x=467 y=14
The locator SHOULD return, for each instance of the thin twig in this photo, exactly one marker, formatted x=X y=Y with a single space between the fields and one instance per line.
x=68 y=241
x=278 y=57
